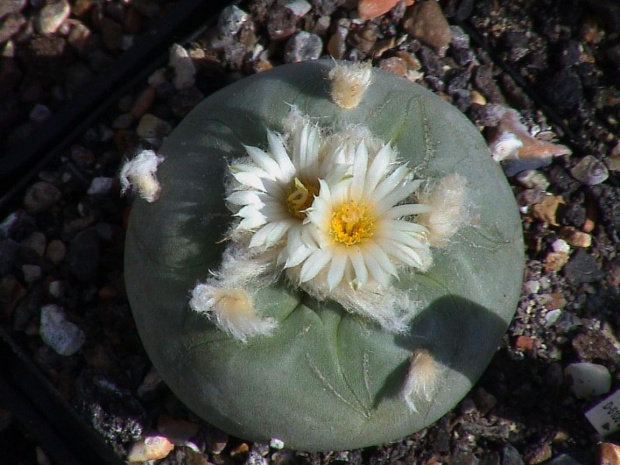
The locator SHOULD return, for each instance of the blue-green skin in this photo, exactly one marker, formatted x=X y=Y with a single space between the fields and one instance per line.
x=325 y=379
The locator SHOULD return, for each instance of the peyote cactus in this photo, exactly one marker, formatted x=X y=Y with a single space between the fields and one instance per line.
x=361 y=309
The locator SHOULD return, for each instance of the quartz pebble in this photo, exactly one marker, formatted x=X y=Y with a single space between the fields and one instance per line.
x=61 y=335
x=100 y=185
x=231 y=19
x=590 y=171
x=588 y=379
x=303 y=46
x=49 y=18
x=150 y=448
x=184 y=69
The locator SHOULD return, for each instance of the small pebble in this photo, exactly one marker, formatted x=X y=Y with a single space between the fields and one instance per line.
x=590 y=171
x=303 y=46
x=552 y=317
x=425 y=21
x=57 y=288
x=40 y=113
x=231 y=19
x=369 y=9
x=58 y=333
x=276 y=443
x=36 y=242
x=144 y=101
x=588 y=379
x=178 y=431
x=49 y=18
x=183 y=65
x=100 y=185
x=560 y=245
x=576 y=238
x=32 y=273
x=112 y=34
x=151 y=383
x=608 y=454
x=533 y=179
x=152 y=126
x=531 y=287
x=298 y=7
x=150 y=448
x=393 y=65
x=11 y=6
x=582 y=268
x=56 y=251
x=41 y=196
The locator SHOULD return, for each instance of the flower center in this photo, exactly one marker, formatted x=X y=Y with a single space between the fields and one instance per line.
x=352 y=223
x=300 y=197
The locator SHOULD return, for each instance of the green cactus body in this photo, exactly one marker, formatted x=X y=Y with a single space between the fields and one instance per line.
x=325 y=379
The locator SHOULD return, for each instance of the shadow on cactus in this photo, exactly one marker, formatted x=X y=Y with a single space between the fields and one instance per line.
x=323 y=255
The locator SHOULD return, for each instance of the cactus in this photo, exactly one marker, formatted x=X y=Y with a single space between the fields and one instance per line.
x=319 y=377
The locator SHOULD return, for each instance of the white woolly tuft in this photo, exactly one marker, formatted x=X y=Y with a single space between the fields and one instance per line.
x=449 y=209
x=388 y=306
x=140 y=172
x=228 y=297
x=422 y=378
x=349 y=83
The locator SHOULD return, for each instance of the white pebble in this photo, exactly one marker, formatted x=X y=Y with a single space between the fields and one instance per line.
x=58 y=333
x=553 y=316
x=560 y=245
x=184 y=69
x=100 y=185
x=588 y=379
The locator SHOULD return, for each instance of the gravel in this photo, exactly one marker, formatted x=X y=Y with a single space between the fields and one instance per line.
x=61 y=239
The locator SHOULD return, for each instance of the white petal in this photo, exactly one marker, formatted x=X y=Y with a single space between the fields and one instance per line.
x=405 y=254
x=357 y=259
x=279 y=154
x=379 y=167
x=264 y=161
x=401 y=236
x=405 y=210
x=270 y=234
x=359 y=171
x=244 y=198
x=402 y=225
x=381 y=257
x=375 y=269
x=389 y=184
x=397 y=195
x=314 y=264
x=250 y=180
x=336 y=269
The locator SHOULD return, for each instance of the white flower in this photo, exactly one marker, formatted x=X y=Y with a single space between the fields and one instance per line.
x=274 y=188
x=361 y=230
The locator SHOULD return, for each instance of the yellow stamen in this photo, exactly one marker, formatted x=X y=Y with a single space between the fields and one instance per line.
x=352 y=223
x=300 y=198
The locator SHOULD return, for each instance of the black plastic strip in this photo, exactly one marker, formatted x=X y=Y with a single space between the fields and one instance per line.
x=64 y=436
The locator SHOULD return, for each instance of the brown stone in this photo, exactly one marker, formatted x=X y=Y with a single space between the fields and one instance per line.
x=546 y=210
x=369 y=9
x=426 y=22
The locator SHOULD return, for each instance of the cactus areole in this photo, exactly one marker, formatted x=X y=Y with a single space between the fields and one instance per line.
x=302 y=358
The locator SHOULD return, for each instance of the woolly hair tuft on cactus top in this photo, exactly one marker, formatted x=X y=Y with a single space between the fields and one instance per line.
x=324 y=374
